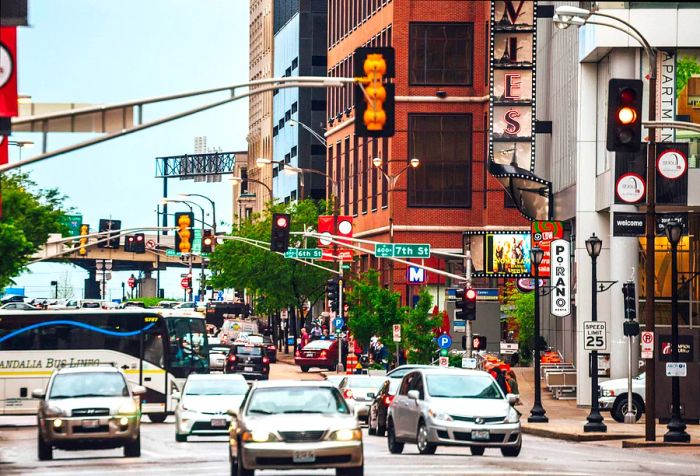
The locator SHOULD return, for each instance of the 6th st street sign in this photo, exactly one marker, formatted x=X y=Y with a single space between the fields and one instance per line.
x=304 y=253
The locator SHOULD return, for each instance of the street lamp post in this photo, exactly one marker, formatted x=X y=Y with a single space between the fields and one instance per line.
x=392 y=179
x=564 y=17
x=537 y=413
x=595 y=419
x=676 y=427
x=189 y=204
x=213 y=207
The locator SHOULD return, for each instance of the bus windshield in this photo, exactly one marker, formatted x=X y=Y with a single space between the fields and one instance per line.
x=187 y=350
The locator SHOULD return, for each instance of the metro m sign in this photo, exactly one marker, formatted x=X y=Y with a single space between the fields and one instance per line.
x=416 y=275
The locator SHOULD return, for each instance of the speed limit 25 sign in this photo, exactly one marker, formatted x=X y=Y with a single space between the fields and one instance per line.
x=594 y=335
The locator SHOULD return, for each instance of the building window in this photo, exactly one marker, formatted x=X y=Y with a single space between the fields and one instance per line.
x=287 y=115
x=294 y=151
x=346 y=172
x=275 y=131
x=287 y=158
x=288 y=72
x=443 y=145
x=294 y=107
x=281 y=124
x=375 y=176
x=274 y=172
x=295 y=63
x=355 y=178
x=293 y=195
x=441 y=53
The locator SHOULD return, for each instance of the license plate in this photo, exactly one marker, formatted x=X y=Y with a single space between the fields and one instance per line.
x=218 y=422
x=480 y=435
x=247 y=369
x=304 y=456
x=91 y=423
x=309 y=354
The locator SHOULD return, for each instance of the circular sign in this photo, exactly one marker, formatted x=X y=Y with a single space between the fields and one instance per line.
x=525 y=285
x=444 y=341
x=338 y=323
x=6 y=65
x=131 y=282
x=672 y=164
x=326 y=238
x=345 y=227
x=185 y=283
x=647 y=337
x=151 y=245
x=630 y=187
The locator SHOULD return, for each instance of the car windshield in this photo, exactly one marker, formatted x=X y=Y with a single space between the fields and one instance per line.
x=318 y=344
x=273 y=401
x=366 y=382
x=216 y=386
x=398 y=374
x=255 y=339
x=394 y=385
x=244 y=350
x=463 y=386
x=88 y=384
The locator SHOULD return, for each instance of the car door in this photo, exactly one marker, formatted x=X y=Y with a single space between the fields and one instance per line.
x=413 y=409
x=401 y=405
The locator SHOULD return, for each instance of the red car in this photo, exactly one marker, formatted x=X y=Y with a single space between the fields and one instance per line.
x=319 y=353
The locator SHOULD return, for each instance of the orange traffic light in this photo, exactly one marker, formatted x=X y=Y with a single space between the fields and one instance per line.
x=374 y=105
x=183 y=234
x=84 y=230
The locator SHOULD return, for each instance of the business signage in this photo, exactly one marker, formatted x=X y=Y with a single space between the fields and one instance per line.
x=512 y=106
x=662 y=219
x=8 y=71
x=416 y=275
x=631 y=188
x=629 y=224
x=685 y=348
x=543 y=233
x=672 y=164
x=672 y=173
x=561 y=278
x=507 y=254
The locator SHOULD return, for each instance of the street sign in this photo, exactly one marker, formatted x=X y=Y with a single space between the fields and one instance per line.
x=383 y=250
x=104 y=274
x=647 y=342
x=444 y=341
x=396 y=332
x=290 y=253
x=220 y=296
x=561 y=278
x=338 y=323
x=131 y=282
x=150 y=244
x=416 y=275
x=676 y=369
x=468 y=363
x=309 y=253
x=444 y=361
x=185 y=283
x=197 y=241
x=509 y=347
x=171 y=253
x=401 y=250
x=594 y=335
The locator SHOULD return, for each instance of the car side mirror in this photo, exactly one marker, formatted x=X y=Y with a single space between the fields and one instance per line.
x=413 y=394
x=138 y=390
x=176 y=395
x=512 y=399
x=232 y=412
x=371 y=395
x=38 y=393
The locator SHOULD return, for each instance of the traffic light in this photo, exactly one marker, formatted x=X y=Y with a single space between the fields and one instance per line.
x=466 y=304
x=207 y=241
x=332 y=294
x=139 y=243
x=478 y=342
x=184 y=232
x=109 y=228
x=630 y=327
x=624 y=115
x=279 y=239
x=129 y=243
x=374 y=107
x=84 y=230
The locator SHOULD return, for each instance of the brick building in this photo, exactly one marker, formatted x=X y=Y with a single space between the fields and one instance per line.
x=442 y=103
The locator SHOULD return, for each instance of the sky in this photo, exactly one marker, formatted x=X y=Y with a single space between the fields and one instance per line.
x=107 y=51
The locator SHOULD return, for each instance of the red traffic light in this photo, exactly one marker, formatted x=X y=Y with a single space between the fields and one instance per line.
x=627 y=96
x=282 y=222
x=470 y=294
x=139 y=237
x=130 y=239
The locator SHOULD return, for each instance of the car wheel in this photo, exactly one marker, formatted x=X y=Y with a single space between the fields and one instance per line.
x=180 y=438
x=304 y=368
x=241 y=471
x=394 y=446
x=133 y=448
x=424 y=446
x=357 y=471
x=157 y=417
x=44 y=450
x=477 y=450
x=620 y=408
x=511 y=451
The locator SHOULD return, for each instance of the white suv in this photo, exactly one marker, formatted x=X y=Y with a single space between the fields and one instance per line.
x=613 y=397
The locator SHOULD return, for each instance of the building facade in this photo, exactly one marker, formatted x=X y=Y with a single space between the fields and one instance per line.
x=442 y=105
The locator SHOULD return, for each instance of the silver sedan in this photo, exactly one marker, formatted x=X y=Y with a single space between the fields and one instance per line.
x=295 y=425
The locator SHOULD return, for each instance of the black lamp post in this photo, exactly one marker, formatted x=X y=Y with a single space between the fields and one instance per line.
x=676 y=428
x=537 y=414
x=595 y=419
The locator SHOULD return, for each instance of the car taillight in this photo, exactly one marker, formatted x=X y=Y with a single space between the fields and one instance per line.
x=388 y=399
x=266 y=360
x=347 y=393
x=297 y=354
x=271 y=347
x=231 y=358
x=324 y=354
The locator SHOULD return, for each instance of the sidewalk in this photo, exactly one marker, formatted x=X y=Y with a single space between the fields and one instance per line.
x=566 y=420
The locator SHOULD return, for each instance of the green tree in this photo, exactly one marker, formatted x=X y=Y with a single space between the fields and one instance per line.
x=372 y=309
x=417 y=330
x=522 y=307
x=685 y=68
x=29 y=215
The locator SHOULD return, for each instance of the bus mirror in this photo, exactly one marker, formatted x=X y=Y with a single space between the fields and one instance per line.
x=38 y=393
x=138 y=390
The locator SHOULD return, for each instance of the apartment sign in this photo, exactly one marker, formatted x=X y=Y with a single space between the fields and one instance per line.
x=561 y=278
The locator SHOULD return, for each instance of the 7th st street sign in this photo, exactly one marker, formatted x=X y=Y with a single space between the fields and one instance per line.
x=401 y=250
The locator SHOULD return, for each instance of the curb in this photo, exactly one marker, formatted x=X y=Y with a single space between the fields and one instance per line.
x=575 y=436
x=656 y=444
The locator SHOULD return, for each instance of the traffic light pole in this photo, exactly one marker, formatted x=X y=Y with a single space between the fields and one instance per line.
x=340 y=313
x=468 y=275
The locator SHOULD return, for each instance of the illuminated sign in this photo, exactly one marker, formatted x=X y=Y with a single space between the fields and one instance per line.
x=543 y=233
x=507 y=254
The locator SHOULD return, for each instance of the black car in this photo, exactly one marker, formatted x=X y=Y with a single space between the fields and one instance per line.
x=266 y=341
x=376 y=420
x=249 y=360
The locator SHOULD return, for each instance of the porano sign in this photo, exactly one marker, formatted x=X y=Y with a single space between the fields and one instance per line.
x=561 y=278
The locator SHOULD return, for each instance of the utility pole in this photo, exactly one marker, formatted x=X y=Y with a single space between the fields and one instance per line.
x=468 y=275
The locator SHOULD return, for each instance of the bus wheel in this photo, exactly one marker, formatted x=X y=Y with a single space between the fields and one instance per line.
x=157 y=417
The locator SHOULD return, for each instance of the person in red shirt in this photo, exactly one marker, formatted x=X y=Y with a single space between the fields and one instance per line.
x=305 y=338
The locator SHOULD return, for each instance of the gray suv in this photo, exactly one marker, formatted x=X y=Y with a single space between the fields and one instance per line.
x=88 y=408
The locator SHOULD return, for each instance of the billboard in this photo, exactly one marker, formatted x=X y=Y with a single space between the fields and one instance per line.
x=507 y=254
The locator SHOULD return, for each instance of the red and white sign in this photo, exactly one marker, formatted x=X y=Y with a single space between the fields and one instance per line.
x=444 y=362
x=185 y=283
x=150 y=245
x=630 y=187
x=543 y=233
x=647 y=342
x=396 y=328
x=8 y=71
x=131 y=282
x=672 y=164
x=325 y=228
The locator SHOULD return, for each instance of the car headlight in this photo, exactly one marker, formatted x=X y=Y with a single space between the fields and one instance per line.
x=128 y=409
x=346 y=435
x=438 y=415
x=513 y=416
x=608 y=393
x=259 y=436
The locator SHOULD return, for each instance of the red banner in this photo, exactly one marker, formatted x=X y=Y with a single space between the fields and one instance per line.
x=4 y=153
x=8 y=71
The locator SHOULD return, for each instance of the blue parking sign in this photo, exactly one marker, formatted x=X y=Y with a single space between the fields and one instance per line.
x=338 y=323
x=444 y=341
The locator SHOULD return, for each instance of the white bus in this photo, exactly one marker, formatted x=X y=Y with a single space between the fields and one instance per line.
x=155 y=348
